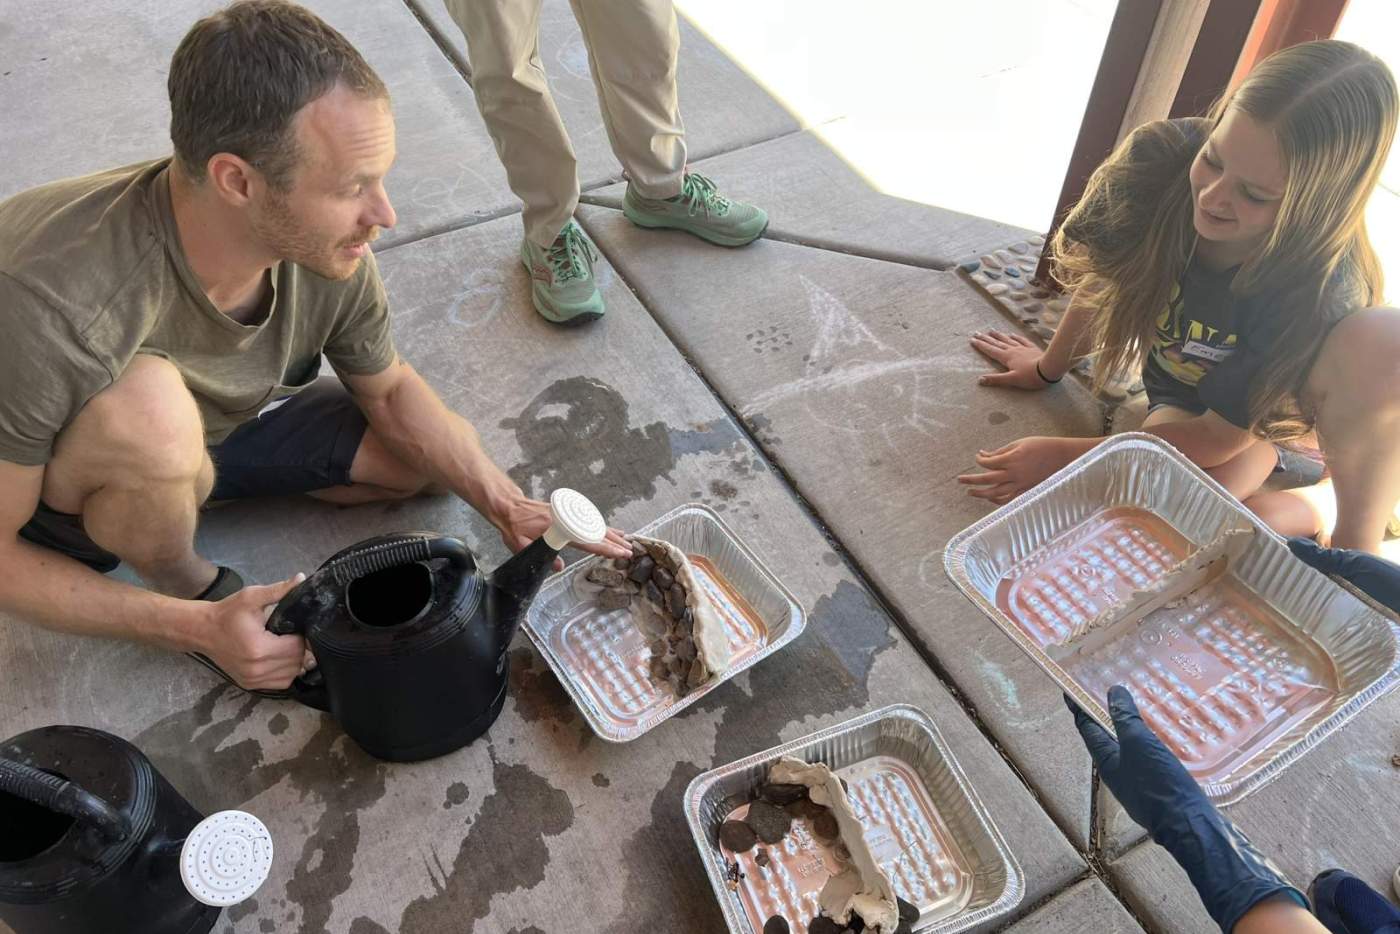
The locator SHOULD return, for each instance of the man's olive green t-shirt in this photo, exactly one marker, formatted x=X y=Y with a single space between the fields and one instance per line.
x=92 y=274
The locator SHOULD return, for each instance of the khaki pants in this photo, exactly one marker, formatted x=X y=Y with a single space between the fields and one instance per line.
x=632 y=47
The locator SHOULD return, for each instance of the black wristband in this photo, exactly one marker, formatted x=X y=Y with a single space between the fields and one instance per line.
x=1041 y=373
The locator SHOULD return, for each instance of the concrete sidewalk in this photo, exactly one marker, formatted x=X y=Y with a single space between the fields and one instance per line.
x=816 y=388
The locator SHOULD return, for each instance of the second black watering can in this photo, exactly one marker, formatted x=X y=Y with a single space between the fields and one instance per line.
x=94 y=840
x=410 y=638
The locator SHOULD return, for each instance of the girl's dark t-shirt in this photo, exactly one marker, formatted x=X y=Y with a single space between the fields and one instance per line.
x=1210 y=346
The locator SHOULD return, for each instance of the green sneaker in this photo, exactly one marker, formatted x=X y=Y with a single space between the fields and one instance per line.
x=698 y=209
x=561 y=277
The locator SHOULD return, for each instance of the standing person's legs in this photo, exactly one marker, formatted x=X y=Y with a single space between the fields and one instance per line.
x=632 y=53
x=503 y=42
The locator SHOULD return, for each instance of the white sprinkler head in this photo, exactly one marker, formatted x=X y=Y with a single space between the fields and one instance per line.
x=575 y=519
x=226 y=858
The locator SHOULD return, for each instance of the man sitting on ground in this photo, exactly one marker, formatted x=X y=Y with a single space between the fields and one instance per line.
x=161 y=341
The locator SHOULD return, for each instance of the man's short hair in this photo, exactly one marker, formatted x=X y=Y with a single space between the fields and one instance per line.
x=241 y=75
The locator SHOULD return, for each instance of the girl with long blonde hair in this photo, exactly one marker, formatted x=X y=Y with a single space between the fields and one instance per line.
x=1227 y=257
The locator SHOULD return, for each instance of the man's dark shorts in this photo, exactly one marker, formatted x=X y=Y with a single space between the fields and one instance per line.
x=304 y=443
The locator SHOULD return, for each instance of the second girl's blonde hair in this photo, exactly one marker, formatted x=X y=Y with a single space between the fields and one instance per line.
x=1333 y=108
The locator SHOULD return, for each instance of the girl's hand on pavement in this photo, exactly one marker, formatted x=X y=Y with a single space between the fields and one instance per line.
x=1010 y=471
x=1017 y=353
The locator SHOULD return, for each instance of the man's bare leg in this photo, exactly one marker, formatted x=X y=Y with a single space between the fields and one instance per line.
x=377 y=475
x=1354 y=388
x=134 y=466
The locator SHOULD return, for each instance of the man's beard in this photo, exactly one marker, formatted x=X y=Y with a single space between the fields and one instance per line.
x=292 y=241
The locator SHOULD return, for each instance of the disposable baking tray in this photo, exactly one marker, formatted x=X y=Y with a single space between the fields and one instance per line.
x=925 y=824
x=1240 y=679
x=602 y=658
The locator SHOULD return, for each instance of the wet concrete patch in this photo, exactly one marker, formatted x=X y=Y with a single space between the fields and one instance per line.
x=662 y=846
x=192 y=751
x=536 y=692
x=457 y=793
x=515 y=819
x=577 y=433
x=363 y=925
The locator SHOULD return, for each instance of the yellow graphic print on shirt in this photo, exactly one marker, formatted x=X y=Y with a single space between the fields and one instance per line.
x=1185 y=348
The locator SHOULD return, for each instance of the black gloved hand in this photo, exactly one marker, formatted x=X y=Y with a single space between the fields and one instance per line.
x=1379 y=578
x=1229 y=874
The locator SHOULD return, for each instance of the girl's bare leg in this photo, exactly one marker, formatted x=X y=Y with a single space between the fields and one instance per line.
x=1354 y=388
x=1242 y=474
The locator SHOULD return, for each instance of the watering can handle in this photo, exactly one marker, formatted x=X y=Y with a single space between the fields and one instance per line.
x=359 y=562
x=64 y=797
x=394 y=552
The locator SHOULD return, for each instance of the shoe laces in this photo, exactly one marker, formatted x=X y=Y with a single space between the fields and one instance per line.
x=701 y=195
x=569 y=253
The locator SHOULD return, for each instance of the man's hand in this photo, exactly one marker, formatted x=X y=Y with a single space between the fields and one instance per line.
x=236 y=638
x=1229 y=874
x=1018 y=354
x=526 y=520
x=1010 y=471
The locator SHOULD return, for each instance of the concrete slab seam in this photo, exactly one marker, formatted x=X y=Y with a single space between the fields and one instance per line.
x=444 y=45
x=449 y=228
x=826 y=246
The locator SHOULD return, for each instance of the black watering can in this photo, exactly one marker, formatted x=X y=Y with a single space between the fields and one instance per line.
x=410 y=638
x=94 y=841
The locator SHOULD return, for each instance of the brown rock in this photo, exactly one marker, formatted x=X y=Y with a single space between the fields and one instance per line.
x=675 y=601
x=737 y=836
x=662 y=578
x=770 y=822
x=614 y=599
x=642 y=568
x=825 y=827
x=782 y=794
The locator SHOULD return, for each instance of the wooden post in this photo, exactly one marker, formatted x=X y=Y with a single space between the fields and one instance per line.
x=1129 y=36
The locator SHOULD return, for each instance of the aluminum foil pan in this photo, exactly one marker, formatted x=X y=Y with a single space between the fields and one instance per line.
x=602 y=658
x=1240 y=679
x=924 y=823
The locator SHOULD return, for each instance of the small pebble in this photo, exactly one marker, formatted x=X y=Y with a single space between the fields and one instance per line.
x=762 y=858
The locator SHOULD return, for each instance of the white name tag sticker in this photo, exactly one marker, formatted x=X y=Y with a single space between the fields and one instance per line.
x=1205 y=351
